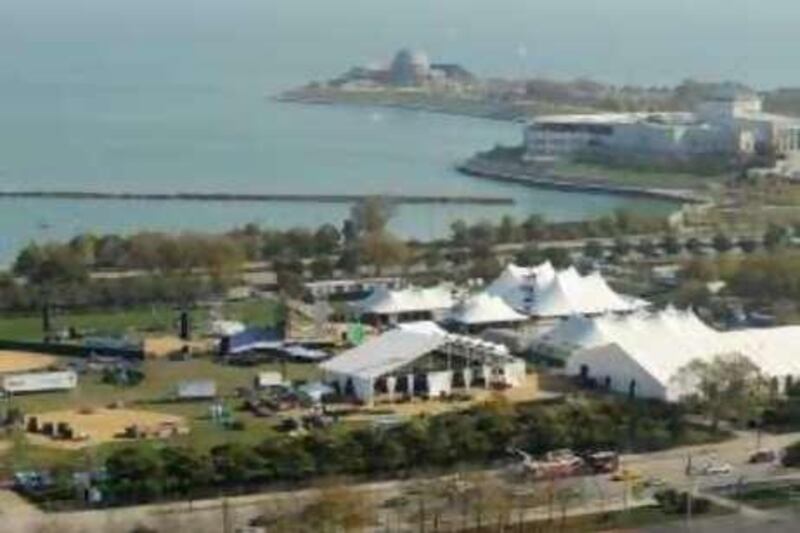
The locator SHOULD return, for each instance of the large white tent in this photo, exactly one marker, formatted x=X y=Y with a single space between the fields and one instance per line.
x=646 y=350
x=484 y=309
x=393 y=304
x=394 y=353
x=544 y=292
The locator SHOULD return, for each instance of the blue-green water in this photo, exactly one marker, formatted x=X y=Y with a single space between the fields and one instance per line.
x=172 y=95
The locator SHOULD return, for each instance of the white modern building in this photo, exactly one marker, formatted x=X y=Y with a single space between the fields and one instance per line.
x=543 y=292
x=421 y=360
x=732 y=124
x=641 y=353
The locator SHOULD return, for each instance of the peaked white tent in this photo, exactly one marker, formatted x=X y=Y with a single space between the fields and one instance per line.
x=646 y=350
x=543 y=292
x=484 y=309
x=392 y=304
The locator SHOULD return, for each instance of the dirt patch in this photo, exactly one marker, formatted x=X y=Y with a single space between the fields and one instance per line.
x=5 y=445
x=98 y=426
x=13 y=361
x=163 y=346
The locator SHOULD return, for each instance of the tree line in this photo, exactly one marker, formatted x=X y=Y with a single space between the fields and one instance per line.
x=194 y=263
x=477 y=437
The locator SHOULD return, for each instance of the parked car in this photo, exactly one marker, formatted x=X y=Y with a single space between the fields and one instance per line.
x=715 y=469
x=763 y=456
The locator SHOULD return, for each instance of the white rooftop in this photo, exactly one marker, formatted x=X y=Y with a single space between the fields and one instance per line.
x=664 y=342
x=383 y=301
x=385 y=353
x=484 y=308
x=544 y=292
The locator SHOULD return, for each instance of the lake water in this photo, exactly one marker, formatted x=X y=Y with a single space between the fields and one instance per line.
x=172 y=95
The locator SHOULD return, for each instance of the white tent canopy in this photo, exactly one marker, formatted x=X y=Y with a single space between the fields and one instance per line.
x=383 y=354
x=544 y=292
x=383 y=301
x=653 y=347
x=484 y=308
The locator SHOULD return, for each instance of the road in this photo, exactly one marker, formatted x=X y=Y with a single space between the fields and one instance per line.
x=599 y=494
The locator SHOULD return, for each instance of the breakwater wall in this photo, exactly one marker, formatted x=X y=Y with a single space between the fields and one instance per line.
x=257 y=197
x=508 y=173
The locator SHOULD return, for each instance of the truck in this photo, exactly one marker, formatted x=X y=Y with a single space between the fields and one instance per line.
x=39 y=382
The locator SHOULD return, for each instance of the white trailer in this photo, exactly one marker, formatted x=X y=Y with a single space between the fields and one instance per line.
x=268 y=379
x=39 y=382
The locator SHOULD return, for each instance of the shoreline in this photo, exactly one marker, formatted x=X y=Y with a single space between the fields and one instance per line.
x=427 y=102
x=256 y=197
x=429 y=107
x=482 y=168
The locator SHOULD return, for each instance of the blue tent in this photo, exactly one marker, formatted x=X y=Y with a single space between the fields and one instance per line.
x=250 y=340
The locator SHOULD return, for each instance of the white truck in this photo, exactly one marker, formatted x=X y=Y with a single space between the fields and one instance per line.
x=39 y=382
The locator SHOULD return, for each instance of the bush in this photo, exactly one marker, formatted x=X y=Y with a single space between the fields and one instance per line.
x=791 y=456
x=674 y=502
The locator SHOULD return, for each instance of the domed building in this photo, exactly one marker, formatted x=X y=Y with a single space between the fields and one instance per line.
x=409 y=68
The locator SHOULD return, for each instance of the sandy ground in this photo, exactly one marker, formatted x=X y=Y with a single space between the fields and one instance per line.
x=101 y=425
x=5 y=445
x=163 y=346
x=13 y=361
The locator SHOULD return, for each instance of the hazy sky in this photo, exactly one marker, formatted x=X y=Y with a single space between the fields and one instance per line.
x=622 y=40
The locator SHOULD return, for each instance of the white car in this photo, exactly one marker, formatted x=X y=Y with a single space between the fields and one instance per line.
x=716 y=469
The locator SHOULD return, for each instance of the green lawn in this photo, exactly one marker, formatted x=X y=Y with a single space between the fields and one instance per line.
x=153 y=394
x=639 y=517
x=640 y=178
x=156 y=318
x=770 y=497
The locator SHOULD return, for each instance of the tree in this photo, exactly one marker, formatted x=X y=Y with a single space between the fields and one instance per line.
x=671 y=245
x=646 y=247
x=338 y=508
x=382 y=249
x=135 y=473
x=327 y=239
x=722 y=243
x=559 y=257
x=534 y=227
x=729 y=386
x=371 y=214
x=775 y=236
x=459 y=232
x=529 y=256
x=622 y=247
x=321 y=267
x=185 y=469
x=508 y=231
x=593 y=249
x=748 y=245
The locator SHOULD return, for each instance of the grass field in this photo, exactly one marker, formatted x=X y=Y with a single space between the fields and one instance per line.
x=770 y=497
x=156 y=393
x=632 y=519
x=154 y=319
x=639 y=178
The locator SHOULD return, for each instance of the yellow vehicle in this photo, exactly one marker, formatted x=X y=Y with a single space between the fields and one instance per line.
x=626 y=474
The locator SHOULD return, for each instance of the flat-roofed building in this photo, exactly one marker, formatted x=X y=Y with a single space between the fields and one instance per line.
x=730 y=124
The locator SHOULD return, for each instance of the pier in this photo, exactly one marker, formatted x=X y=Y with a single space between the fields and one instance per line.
x=259 y=197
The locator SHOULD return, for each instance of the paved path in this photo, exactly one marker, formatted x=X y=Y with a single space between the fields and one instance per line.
x=210 y=515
